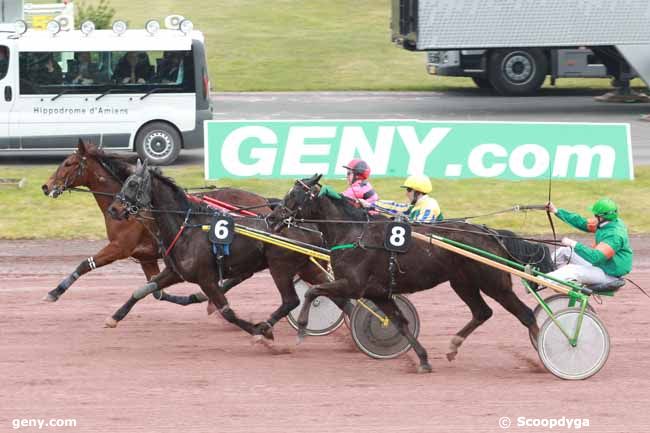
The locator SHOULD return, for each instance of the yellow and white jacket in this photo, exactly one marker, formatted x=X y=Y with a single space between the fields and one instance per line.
x=425 y=210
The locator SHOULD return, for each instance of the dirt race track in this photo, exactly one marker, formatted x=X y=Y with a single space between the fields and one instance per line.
x=167 y=368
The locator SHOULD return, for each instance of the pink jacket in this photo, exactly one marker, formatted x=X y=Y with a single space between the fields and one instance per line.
x=361 y=189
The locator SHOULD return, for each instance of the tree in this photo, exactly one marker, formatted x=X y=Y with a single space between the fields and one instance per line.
x=100 y=14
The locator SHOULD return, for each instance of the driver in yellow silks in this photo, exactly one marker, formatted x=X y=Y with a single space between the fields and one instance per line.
x=420 y=208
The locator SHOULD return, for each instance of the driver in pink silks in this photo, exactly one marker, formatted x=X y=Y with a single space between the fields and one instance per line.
x=359 y=188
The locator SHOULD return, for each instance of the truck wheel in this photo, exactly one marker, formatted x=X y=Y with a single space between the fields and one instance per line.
x=158 y=142
x=482 y=83
x=517 y=72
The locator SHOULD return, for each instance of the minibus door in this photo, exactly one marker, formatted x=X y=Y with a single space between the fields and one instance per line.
x=8 y=68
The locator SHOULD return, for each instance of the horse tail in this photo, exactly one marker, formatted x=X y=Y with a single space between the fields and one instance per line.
x=525 y=252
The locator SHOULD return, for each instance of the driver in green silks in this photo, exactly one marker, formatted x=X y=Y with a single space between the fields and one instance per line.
x=609 y=258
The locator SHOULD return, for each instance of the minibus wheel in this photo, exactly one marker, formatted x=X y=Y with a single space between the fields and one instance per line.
x=158 y=142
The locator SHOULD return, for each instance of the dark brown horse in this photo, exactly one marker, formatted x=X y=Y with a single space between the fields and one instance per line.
x=362 y=270
x=103 y=174
x=192 y=258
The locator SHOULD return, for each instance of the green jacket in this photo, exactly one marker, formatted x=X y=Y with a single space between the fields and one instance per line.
x=612 y=251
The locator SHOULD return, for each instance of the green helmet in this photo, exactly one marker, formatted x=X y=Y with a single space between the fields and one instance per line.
x=605 y=208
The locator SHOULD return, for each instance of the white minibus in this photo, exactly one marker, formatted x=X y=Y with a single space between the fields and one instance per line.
x=145 y=90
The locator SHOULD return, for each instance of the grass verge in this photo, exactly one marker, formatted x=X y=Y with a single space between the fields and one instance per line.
x=27 y=214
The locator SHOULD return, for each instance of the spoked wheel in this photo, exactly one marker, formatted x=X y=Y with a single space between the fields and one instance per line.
x=568 y=362
x=324 y=317
x=376 y=338
x=556 y=303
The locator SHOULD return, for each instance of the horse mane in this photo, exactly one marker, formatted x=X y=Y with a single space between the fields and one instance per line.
x=120 y=165
x=355 y=213
x=179 y=193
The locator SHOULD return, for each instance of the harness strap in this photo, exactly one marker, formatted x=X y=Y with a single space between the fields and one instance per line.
x=343 y=247
x=180 y=232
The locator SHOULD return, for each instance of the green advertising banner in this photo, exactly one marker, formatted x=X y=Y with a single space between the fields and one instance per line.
x=453 y=150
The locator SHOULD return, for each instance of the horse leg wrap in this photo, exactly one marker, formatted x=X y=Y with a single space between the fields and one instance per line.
x=124 y=309
x=91 y=263
x=143 y=291
x=199 y=297
x=65 y=284
x=179 y=299
x=227 y=313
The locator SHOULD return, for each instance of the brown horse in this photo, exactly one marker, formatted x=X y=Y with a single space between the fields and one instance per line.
x=103 y=174
x=362 y=265
x=192 y=258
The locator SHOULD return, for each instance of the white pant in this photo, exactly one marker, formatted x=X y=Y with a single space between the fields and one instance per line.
x=572 y=267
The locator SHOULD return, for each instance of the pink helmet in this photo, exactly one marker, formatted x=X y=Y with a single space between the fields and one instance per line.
x=359 y=167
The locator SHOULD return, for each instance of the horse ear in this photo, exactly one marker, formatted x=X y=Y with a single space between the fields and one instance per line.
x=314 y=179
x=139 y=167
x=81 y=147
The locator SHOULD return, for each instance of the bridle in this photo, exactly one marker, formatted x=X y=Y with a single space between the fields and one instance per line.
x=134 y=208
x=81 y=167
x=290 y=214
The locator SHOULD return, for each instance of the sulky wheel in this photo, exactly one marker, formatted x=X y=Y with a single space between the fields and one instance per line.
x=324 y=317
x=556 y=303
x=568 y=362
x=376 y=339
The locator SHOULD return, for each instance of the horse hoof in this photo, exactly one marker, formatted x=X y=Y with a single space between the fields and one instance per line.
x=451 y=356
x=49 y=298
x=110 y=323
x=299 y=339
x=424 y=368
x=211 y=308
x=268 y=334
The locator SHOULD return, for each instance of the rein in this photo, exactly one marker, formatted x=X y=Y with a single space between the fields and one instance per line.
x=76 y=189
x=438 y=225
x=180 y=232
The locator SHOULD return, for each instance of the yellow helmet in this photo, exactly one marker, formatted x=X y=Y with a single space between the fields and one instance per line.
x=418 y=183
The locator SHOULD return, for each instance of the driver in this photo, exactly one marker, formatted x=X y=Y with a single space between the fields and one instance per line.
x=359 y=188
x=420 y=207
x=609 y=258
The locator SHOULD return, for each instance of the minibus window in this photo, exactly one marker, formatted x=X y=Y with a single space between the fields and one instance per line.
x=107 y=72
x=4 y=61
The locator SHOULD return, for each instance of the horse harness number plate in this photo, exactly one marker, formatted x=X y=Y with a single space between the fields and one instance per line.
x=222 y=230
x=221 y=234
x=397 y=237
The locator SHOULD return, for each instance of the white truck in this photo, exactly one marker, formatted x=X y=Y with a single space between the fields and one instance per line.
x=513 y=45
x=516 y=71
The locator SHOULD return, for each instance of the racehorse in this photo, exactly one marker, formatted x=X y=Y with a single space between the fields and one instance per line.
x=103 y=174
x=191 y=258
x=361 y=265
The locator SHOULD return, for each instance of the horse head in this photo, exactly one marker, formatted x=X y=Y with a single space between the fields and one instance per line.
x=74 y=171
x=134 y=195
x=297 y=203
